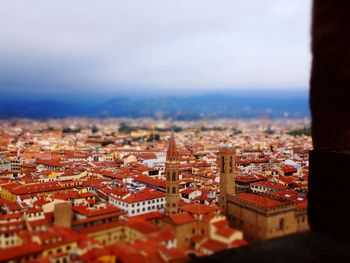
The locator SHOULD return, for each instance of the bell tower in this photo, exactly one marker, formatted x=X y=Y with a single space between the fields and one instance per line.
x=227 y=176
x=172 y=178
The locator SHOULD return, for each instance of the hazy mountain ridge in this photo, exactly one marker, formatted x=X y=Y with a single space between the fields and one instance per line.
x=209 y=106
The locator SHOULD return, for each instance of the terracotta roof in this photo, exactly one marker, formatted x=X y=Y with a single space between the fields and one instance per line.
x=258 y=200
x=199 y=208
x=214 y=245
x=181 y=218
x=11 y=185
x=140 y=196
x=21 y=251
x=188 y=191
x=272 y=185
x=172 y=151
x=174 y=255
x=87 y=211
x=226 y=231
x=289 y=169
x=147 y=216
x=150 y=181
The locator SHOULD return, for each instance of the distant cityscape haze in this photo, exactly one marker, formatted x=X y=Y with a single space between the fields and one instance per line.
x=128 y=48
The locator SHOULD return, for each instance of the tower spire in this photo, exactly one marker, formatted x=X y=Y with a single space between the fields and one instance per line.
x=172 y=151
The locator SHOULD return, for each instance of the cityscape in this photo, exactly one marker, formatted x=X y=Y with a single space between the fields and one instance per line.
x=143 y=190
x=173 y=131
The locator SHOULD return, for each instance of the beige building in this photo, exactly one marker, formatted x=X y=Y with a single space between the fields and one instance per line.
x=259 y=216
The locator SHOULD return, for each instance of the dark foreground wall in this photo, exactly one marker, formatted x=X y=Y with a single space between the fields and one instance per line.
x=330 y=110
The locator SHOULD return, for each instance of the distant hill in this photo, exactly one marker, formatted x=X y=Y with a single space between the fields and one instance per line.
x=209 y=106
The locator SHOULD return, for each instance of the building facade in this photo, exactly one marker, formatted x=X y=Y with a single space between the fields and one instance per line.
x=260 y=215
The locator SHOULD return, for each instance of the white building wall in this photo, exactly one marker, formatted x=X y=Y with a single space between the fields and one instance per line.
x=139 y=208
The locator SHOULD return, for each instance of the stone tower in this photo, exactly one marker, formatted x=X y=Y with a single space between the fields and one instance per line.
x=227 y=176
x=172 y=178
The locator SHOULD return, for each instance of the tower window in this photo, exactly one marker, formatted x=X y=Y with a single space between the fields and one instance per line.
x=174 y=190
x=222 y=164
x=281 y=224
x=174 y=176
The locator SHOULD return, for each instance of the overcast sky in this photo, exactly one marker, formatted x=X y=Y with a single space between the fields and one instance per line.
x=70 y=46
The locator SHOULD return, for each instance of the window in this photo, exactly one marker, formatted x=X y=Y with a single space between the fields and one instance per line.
x=281 y=224
x=174 y=190
x=222 y=164
x=231 y=164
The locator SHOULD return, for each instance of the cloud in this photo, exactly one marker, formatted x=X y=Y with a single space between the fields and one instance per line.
x=110 y=45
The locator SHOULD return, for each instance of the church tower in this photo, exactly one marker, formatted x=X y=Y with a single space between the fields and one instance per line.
x=172 y=178
x=227 y=176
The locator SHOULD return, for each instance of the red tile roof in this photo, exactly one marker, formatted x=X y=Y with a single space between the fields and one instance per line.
x=172 y=153
x=21 y=251
x=150 y=181
x=258 y=200
x=199 y=209
x=272 y=185
x=214 y=245
x=181 y=218
x=226 y=231
x=144 y=227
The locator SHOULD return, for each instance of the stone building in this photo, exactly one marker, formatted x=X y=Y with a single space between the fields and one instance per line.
x=259 y=216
